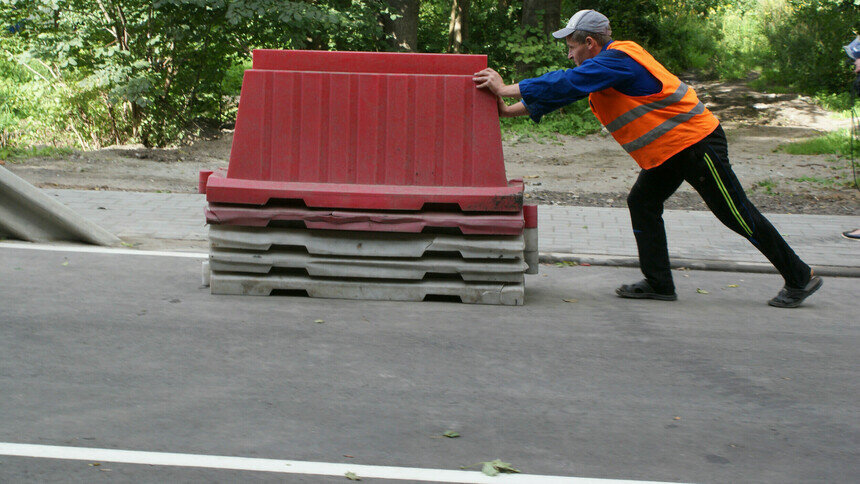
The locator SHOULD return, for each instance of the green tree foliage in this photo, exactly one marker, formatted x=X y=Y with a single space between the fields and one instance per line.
x=152 y=70
x=95 y=72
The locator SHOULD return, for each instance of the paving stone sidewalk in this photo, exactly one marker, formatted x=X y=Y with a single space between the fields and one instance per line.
x=589 y=233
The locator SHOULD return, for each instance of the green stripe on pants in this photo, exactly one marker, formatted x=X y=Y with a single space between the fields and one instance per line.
x=728 y=198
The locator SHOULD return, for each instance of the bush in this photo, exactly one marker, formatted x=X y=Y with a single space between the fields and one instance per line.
x=840 y=102
x=574 y=120
x=690 y=42
x=806 y=38
x=31 y=109
x=743 y=46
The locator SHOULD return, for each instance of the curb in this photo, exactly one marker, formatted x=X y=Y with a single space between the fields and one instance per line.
x=697 y=264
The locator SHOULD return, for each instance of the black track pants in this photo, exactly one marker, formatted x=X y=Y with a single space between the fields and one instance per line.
x=705 y=166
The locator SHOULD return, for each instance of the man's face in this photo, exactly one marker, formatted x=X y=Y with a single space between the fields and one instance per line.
x=578 y=52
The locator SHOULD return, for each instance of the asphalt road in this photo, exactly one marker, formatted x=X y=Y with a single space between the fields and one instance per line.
x=130 y=352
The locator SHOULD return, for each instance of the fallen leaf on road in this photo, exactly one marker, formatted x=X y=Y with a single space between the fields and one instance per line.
x=702 y=291
x=352 y=477
x=494 y=467
x=451 y=434
x=65 y=263
x=319 y=321
x=532 y=176
x=732 y=285
x=570 y=300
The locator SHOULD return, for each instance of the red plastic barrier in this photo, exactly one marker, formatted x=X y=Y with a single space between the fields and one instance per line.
x=368 y=62
x=367 y=140
x=495 y=224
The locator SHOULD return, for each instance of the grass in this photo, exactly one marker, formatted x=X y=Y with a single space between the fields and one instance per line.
x=827 y=182
x=769 y=186
x=840 y=103
x=15 y=155
x=835 y=143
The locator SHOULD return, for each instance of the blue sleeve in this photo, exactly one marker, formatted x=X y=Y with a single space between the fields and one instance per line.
x=556 y=89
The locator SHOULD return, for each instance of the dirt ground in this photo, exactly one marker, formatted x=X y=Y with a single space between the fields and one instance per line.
x=592 y=171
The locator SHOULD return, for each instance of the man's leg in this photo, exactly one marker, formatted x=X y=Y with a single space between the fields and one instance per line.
x=712 y=176
x=645 y=202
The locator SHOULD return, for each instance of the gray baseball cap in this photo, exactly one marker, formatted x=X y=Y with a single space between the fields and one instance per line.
x=587 y=20
x=853 y=49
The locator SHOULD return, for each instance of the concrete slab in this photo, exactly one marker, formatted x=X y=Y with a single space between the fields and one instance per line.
x=509 y=294
x=29 y=214
x=498 y=270
x=366 y=244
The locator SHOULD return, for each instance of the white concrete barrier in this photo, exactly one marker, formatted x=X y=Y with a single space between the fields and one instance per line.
x=27 y=213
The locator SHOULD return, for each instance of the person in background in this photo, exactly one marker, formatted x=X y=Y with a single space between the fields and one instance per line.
x=661 y=123
x=853 y=51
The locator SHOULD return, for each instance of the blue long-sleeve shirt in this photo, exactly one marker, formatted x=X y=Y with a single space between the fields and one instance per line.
x=609 y=68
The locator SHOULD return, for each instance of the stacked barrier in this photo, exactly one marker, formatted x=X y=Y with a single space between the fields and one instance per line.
x=368 y=176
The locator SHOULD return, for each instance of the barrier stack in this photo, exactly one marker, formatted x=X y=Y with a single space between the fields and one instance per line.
x=368 y=176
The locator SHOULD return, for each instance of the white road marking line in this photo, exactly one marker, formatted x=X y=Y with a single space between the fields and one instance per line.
x=93 y=249
x=284 y=466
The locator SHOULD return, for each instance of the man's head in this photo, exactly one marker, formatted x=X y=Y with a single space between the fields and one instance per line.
x=585 y=34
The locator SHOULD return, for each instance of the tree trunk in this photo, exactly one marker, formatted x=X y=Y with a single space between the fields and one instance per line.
x=458 y=29
x=403 y=31
x=544 y=14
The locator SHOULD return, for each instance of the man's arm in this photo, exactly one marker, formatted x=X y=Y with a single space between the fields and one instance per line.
x=512 y=111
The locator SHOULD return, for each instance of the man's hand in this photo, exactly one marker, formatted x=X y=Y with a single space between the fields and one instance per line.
x=490 y=79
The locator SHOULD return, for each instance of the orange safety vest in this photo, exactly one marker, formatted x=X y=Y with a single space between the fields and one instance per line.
x=656 y=127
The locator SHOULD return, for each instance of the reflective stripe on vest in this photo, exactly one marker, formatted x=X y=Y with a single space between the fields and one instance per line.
x=639 y=111
x=663 y=128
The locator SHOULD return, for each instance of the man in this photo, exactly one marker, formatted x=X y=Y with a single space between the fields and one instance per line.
x=661 y=123
x=853 y=51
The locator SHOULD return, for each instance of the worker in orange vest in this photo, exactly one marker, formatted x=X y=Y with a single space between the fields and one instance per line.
x=661 y=123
